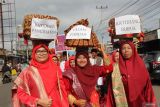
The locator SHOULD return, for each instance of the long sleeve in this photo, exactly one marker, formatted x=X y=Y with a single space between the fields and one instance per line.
x=148 y=93
x=68 y=85
x=109 y=67
x=104 y=70
x=71 y=95
x=26 y=98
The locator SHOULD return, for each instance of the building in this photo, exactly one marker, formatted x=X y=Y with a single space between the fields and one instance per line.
x=151 y=42
x=7 y=25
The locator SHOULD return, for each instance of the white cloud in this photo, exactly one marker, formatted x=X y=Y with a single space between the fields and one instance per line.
x=69 y=11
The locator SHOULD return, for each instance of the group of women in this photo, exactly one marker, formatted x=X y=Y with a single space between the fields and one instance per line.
x=42 y=84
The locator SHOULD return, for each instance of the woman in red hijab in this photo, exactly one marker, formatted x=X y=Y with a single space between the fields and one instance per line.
x=70 y=63
x=55 y=59
x=81 y=80
x=135 y=77
x=115 y=94
x=115 y=56
x=40 y=84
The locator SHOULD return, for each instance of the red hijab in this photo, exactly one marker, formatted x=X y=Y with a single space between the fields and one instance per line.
x=70 y=59
x=67 y=63
x=134 y=73
x=46 y=70
x=113 y=56
x=86 y=75
x=54 y=55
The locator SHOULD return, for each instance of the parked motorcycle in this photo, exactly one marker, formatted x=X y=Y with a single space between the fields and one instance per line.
x=7 y=77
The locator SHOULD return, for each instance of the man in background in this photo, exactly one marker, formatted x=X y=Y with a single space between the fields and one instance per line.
x=95 y=59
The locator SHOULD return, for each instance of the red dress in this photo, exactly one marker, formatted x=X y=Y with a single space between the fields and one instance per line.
x=41 y=81
x=136 y=81
x=81 y=82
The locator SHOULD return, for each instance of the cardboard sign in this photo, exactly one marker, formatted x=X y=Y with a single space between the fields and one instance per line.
x=127 y=24
x=79 y=32
x=60 y=43
x=43 y=28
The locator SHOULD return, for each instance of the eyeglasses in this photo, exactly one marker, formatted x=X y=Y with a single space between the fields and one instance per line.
x=39 y=52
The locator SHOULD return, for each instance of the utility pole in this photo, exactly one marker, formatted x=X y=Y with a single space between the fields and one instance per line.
x=101 y=8
x=1 y=20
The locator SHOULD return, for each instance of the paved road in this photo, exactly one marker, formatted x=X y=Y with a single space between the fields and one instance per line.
x=5 y=95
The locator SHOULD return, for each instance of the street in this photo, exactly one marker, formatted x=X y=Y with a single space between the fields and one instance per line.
x=5 y=93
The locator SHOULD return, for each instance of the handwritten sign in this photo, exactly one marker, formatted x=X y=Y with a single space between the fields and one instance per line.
x=127 y=24
x=43 y=28
x=79 y=32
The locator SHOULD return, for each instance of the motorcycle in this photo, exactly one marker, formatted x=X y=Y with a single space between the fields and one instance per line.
x=7 y=77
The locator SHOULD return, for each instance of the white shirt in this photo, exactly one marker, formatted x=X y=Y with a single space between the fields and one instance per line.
x=93 y=61
x=62 y=66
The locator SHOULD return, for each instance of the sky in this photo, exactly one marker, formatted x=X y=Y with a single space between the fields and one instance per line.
x=70 y=11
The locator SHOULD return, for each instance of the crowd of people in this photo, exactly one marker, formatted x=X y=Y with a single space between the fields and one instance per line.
x=11 y=70
x=84 y=80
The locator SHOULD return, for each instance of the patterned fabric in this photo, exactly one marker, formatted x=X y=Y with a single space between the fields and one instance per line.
x=22 y=82
x=135 y=78
x=94 y=98
x=76 y=84
x=118 y=88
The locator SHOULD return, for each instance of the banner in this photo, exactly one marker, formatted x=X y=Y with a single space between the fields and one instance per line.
x=43 y=28
x=127 y=24
x=79 y=32
x=60 y=43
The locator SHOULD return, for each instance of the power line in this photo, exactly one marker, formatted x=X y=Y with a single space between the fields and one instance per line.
x=143 y=7
x=151 y=8
x=143 y=14
x=124 y=7
x=153 y=14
